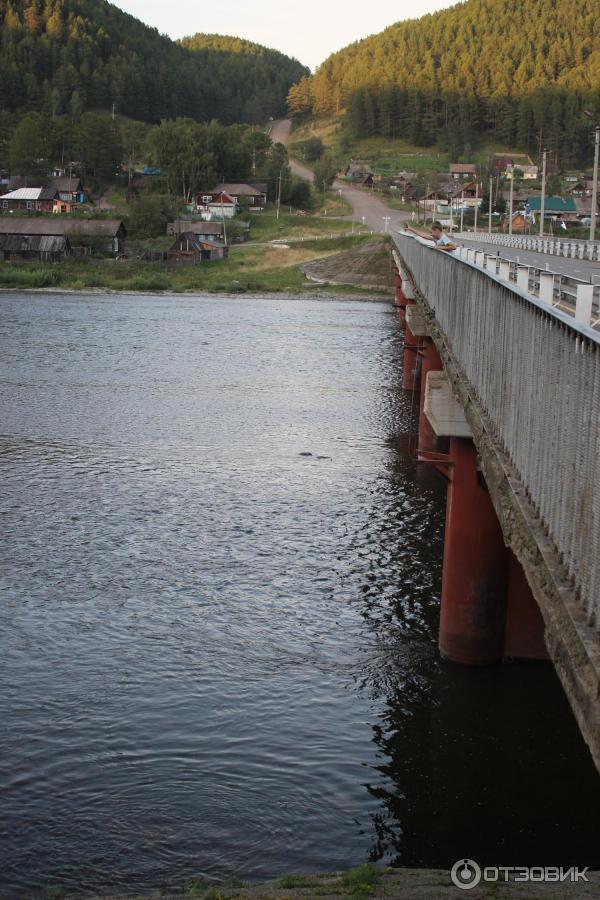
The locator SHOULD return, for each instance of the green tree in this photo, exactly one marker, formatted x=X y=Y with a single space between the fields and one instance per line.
x=325 y=172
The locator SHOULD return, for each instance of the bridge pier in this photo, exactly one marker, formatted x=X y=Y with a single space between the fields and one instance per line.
x=488 y=611
x=475 y=572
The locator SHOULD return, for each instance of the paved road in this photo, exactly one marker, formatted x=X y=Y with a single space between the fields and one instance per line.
x=365 y=206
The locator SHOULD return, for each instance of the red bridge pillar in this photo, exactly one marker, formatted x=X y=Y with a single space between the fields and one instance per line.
x=410 y=365
x=473 y=612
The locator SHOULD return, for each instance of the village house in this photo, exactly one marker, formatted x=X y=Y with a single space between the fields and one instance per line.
x=205 y=231
x=69 y=190
x=462 y=170
x=86 y=236
x=563 y=207
x=38 y=247
x=530 y=172
x=188 y=247
x=216 y=205
x=520 y=224
x=32 y=200
x=254 y=194
x=578 y=188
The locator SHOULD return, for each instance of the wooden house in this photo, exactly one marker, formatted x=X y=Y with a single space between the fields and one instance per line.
x=254 y=194
x=462 y=170
x=86 y=236
x=69 y=190
x=38 y=199
x=205 y=231
x=188 y=247
x=216 y=205
x=39 y=247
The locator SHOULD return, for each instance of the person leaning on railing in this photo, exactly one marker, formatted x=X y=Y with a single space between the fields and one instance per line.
x=440 y=240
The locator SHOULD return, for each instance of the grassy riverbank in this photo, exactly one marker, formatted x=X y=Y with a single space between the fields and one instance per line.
x=250 y=267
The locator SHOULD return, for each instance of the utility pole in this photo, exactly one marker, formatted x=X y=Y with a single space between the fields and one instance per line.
x=595 y=185
x=510 y=201
x=490 y=204
x=543 y=201
x=462 y=211
x=476 y=203
x=587 y=113
x=451 y=220
x=223 y=221
x=279 y=192
x=254 y=162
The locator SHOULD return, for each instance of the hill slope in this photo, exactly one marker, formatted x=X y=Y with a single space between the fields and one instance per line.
x=522 y=69
x=70 y=55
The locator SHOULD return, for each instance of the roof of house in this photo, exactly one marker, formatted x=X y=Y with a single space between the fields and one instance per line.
x=23 y=194
x=48 y=193
x=525 y=169
x=65 y=185
x=57 y=226
x=552 y=204
x=239 y=190
x=219 y=198
x=196 y=243
x=182 y=225
x=462 y=168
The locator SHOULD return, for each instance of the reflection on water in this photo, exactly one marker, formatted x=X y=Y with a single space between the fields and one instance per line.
x=220 y=578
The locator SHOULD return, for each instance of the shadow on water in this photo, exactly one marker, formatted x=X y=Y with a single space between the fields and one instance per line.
x=486 y=763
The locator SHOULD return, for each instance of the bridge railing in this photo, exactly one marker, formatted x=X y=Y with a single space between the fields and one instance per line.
x=568 y=248
x=536 y=372
x=580 y=298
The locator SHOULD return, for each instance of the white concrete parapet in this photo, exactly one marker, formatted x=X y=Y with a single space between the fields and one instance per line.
x=443 y=411
x=416 y=321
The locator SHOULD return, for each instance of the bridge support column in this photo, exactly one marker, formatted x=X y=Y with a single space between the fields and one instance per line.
x=474 y=580
x=410 y=364
x=524 y=637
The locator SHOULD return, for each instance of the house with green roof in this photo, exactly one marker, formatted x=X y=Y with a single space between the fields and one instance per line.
x=553 y=206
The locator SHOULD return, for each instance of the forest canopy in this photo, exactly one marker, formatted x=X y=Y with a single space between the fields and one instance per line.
x=519 y=70
x=70 y=56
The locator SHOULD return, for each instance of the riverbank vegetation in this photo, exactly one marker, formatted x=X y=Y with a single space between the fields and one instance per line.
x=250 y=268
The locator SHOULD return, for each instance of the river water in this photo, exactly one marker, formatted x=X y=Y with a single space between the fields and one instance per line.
x=220 y=573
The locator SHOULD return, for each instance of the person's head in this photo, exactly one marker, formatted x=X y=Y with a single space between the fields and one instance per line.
x=436 y=230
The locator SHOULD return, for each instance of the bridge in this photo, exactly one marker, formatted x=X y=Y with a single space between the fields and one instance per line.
x=505 y=361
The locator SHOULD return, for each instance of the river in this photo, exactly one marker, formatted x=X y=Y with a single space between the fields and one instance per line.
x=220 y=575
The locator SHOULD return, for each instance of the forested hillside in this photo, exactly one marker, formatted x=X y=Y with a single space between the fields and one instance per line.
x=67 y=56
x=520 y=70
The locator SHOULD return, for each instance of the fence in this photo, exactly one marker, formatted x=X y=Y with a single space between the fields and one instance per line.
x=566 y=248
x=536 y=373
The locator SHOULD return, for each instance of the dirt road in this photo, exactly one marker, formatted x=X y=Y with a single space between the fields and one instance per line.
x=366 y=207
